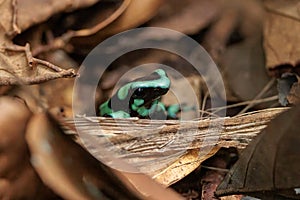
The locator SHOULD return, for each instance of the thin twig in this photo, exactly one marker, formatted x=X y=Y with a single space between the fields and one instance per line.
x=215 y=168
x=204 y=102
x=259 y=95
x=258 y=101
x=25 y=49
x=208 y=113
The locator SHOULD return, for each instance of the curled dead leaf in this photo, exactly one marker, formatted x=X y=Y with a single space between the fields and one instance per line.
x=136 y=12
x=27 y=18
x=18 y=180
x=129 y=14
x=74 y=174
x=17 y=67
x=66 y=168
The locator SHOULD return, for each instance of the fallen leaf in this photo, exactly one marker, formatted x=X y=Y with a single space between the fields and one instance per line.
x=188 y=16
x=18 y=180
x=269 y=166
x=289 y=8
x=75 y=174
x=63 y=164
x=215 y=24
x=182 y=167
x=18 y=67
x=281 y=30
x=131 y=13
x=25 y=17
x=294 y=95
x=164 y=154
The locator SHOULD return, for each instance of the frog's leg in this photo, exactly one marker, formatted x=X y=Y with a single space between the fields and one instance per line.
x=106 y=111
x=173 y=110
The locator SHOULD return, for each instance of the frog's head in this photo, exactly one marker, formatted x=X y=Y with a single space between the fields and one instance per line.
x=143 y=91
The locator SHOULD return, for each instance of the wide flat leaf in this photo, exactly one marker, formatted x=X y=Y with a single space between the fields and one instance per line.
x=270 y=165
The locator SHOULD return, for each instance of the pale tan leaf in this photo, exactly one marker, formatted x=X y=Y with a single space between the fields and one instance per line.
x=7 y=18
x=81 y=176
x=182 y=167
x=135 y=13
x=156 y=151
x=290 y=8
x=17 y=67
x=29 y=12
x=232 y=197
x=281 y=36
x=187 y=16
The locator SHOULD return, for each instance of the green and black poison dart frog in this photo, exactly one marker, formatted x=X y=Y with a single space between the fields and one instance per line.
x=141 y=98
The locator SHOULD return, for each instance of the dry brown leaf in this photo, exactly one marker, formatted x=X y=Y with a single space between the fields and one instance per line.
x=269 y=166
x=64 y=164
x=129 y=14
x=232 y=197
x=294 y=95
x=281 y=33
x=29 y=12
x=135 y=13
x=154 y=150
x=215 y=23
x=18 y=67
x=74 y=169
x=150 y=189
x=8 y=22
x=18 y=180
x=187 y=16
x=182 y=167
x=17 y=16
x=289 y=8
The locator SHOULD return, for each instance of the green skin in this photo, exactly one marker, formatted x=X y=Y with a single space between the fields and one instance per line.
x=141 y=98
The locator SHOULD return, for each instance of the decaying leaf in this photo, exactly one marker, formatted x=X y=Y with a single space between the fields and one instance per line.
x=188 y=16
x=163 y=153
x=289 y=8
x=129 y=14
x=182 y=167
x=17 y=67
x=53 y=153
x=74 y=174
x=18 y=180
x=235 y=47
x=294 y=95
x=27 y=18
x=269 y=166
x=17 y=16
x=281 y=30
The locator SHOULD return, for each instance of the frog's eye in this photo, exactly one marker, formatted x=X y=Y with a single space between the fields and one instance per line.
x=140 y=92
